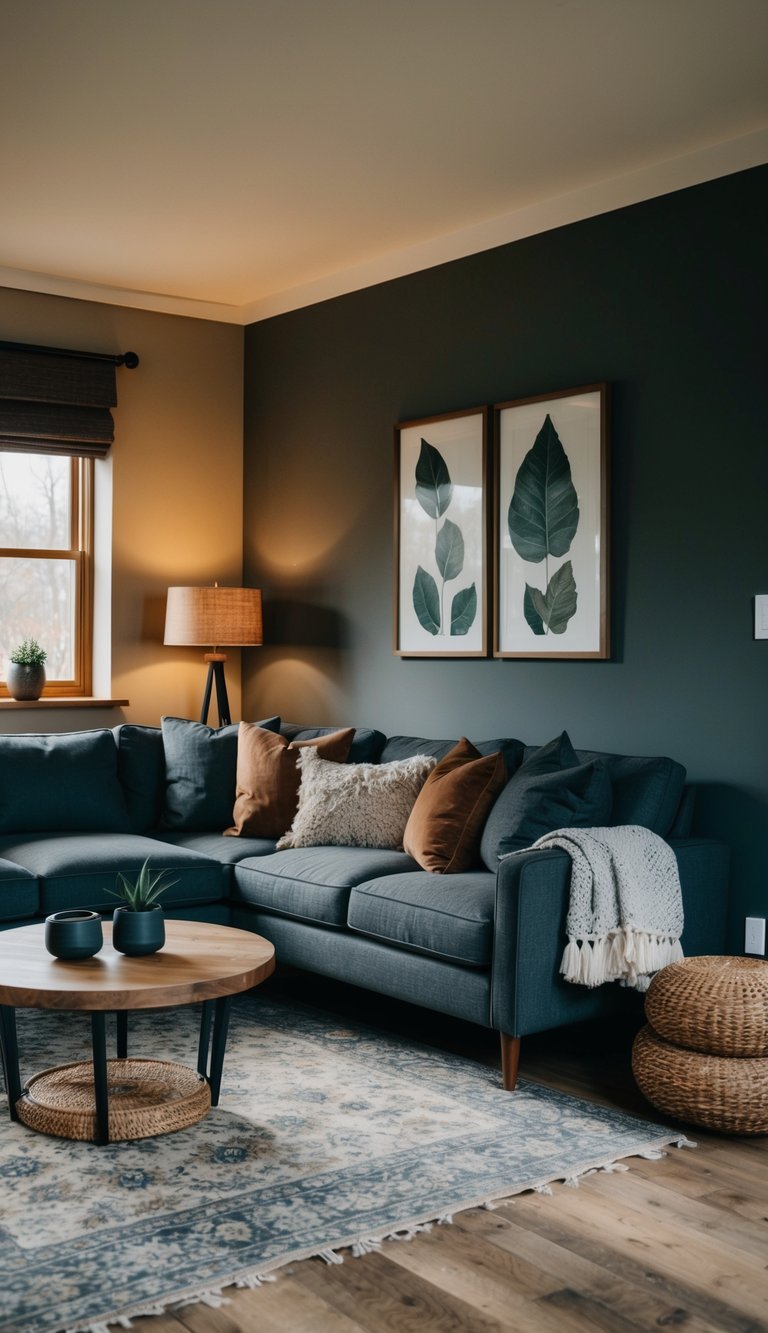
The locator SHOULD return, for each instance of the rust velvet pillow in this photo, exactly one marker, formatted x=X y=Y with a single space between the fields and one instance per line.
x=444 y=828
x=268 y=777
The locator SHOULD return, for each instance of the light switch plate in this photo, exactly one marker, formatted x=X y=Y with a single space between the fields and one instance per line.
x=754 y=935
x=761 y=616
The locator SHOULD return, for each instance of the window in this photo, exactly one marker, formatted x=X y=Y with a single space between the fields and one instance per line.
x=46 y=573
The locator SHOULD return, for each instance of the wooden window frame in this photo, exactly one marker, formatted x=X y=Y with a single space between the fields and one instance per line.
x=81 y=552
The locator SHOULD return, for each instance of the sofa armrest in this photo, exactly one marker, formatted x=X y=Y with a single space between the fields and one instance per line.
x=532 y=893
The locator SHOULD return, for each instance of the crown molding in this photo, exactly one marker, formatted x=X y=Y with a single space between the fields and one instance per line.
x=604 y=196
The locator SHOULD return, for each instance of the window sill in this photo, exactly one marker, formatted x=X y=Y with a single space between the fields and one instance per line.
x=65 y=701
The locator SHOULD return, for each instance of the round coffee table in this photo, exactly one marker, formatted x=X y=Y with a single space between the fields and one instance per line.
x=199 y=962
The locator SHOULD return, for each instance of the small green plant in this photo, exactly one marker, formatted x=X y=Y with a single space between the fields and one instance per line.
x=29 y=653
x=143 y=893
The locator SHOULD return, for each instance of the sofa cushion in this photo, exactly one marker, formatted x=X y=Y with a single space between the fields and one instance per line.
x=141 y=771
x=365 y=748
x=402 y=747
x=451 y=919
x=543 y=796
x=64 y=780
x=79 y=869
x=646 y=790
x=444 y=826
x=312 y=883
x=268 y=777
x=217 y=846
x=19 y=893
x=200 y=772
x=355 y=805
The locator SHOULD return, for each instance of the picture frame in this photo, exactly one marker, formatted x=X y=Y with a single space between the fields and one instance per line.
x=441 y=601
x=551 y=526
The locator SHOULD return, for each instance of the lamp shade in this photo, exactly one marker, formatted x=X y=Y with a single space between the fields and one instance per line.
x=213 y=617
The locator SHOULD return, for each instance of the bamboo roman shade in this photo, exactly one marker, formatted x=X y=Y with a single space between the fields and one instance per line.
x=57 y=401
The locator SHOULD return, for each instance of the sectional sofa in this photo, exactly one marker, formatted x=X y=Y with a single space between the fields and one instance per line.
x=483 y=945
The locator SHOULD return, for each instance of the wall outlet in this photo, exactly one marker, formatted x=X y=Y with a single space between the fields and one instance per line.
x=754 y=935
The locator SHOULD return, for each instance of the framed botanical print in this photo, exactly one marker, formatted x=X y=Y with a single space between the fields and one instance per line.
x=441 y=541
x=551 y=595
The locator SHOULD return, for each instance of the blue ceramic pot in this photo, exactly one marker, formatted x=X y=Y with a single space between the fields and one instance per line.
x=73 y=934
x=137 y=933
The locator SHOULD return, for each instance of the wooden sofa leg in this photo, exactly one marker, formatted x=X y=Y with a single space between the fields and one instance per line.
x=510 y=1059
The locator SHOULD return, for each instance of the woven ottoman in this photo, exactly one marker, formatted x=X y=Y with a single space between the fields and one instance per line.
x=703 y=1056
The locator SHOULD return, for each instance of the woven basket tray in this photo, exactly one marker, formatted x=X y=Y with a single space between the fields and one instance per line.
x=715 y=1005
x=717 y=1092
x=146 y=1097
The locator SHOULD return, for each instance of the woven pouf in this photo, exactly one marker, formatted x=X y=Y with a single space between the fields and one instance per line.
x=712 y=1004
x=704 y=1055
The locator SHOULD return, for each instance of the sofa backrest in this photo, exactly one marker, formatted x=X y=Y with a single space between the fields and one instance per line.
x=404 y=747
x=63 y=781
x=646 y=789
x=365 y=748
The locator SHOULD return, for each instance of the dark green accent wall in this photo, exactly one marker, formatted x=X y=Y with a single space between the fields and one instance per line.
x=666 y=300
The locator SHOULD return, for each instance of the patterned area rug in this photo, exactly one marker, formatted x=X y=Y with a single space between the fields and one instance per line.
x=325 y=1138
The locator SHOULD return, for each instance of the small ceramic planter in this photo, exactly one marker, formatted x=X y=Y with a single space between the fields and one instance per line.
x=137 y=933
x=74 y=934
x=24 y=682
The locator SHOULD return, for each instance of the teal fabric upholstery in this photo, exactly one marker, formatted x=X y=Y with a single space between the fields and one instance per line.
x=200 y=773
x=79 y=869
x=646 y=791
x=533 y=804
x=19 y=896
x=312 y=883
x=366 y=746
x=141 y=770
x=403 y=747
x=215 y=845
x=447 y=916
x=61 y=781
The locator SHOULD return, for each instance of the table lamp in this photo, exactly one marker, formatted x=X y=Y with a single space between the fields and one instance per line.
x=215 y=617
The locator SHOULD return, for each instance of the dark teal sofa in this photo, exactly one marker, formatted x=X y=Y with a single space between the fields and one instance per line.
x=76 y=808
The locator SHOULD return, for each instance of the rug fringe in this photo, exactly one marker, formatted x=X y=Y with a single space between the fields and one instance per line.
x=215 y=1298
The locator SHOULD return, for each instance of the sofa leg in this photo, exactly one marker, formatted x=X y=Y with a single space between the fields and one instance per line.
x=510 y=1059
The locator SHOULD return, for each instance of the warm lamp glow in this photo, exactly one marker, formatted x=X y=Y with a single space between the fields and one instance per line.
x=214 y=617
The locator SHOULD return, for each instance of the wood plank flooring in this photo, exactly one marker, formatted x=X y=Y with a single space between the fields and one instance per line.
x=681 y=1242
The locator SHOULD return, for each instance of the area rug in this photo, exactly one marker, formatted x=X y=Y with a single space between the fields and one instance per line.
x=326 y=1137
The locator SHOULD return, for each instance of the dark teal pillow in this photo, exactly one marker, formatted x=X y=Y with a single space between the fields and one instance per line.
x=141 y=770
x=200 y=773
x=61 y=782
x=542 y=796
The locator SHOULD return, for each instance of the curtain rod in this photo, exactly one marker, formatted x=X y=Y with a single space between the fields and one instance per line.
x=128 y=359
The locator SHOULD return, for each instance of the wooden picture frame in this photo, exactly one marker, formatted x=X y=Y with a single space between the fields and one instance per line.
x=551 y=537
x=441 y=535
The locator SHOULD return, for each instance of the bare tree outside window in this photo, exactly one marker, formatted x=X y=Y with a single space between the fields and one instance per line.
x=40 y=558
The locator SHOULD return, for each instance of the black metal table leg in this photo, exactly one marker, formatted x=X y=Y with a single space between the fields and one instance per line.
x=122 y=1034
x=220 y=1027
x=10 y=1057
x=99 y=1044
x=206 y=1016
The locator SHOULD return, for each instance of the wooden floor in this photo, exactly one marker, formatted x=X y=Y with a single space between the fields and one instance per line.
x=678 y=1242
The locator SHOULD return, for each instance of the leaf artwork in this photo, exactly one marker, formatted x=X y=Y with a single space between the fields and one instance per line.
x=542 y=519
x=434 y=492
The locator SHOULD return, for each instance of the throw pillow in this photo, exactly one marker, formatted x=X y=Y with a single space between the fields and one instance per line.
x=61 y=782
x=533 y=804
x=268 y=778
x=443 y=829
x=355 y=805
x=200 y=773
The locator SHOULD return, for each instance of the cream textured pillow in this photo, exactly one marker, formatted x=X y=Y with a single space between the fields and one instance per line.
x=355 y=805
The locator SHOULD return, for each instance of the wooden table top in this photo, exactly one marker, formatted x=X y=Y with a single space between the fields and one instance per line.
x=199 y=961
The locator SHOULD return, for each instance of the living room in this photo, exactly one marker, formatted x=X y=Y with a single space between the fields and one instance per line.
x=254 y=445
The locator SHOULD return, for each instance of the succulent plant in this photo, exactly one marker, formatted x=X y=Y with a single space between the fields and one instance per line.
x=142 y=894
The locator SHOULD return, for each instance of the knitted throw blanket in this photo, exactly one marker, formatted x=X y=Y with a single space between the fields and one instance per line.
x=626 y=906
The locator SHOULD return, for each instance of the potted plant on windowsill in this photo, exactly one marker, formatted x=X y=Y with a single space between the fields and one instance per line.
x=25 y=676
x=138 y=926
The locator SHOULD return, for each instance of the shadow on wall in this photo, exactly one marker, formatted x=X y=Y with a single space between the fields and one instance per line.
x=296 y=624
x=738 y=818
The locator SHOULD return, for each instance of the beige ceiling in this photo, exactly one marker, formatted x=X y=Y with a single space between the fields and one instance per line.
x=241 y=155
